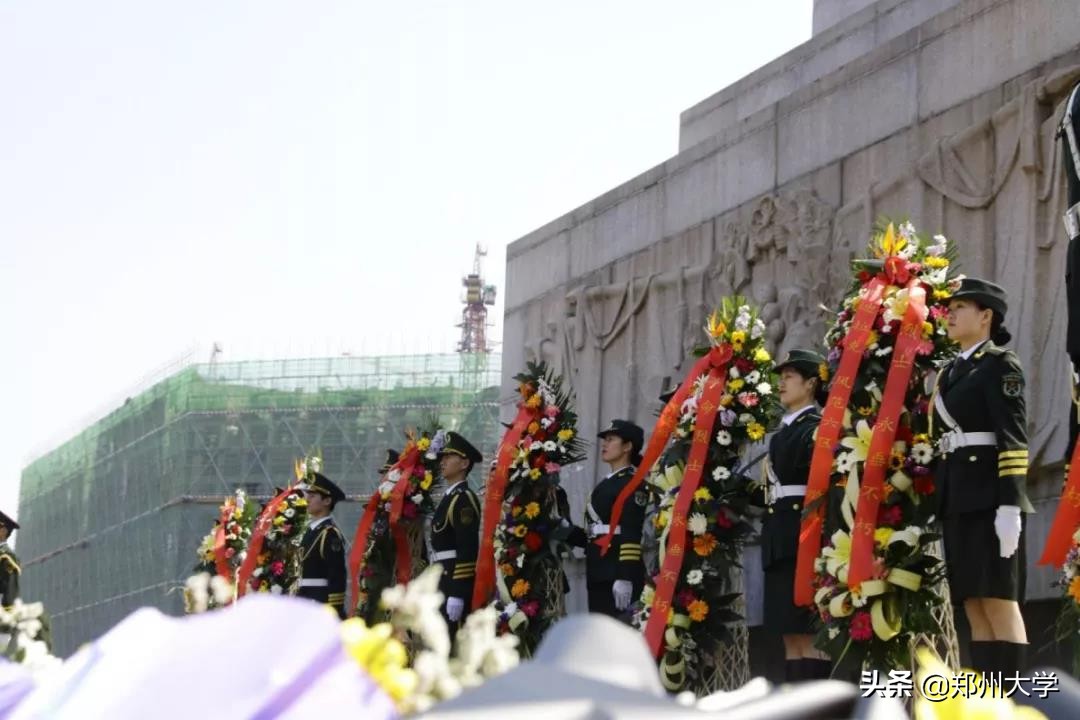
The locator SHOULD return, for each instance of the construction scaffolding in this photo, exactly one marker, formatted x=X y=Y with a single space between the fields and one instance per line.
x=112 y=518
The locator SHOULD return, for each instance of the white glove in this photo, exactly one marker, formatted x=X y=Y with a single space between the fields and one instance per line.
x=1007 y=527
x=622 y=589
x=454 y=607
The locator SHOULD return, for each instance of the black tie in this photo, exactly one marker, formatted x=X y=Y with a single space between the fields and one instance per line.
x=959 y=367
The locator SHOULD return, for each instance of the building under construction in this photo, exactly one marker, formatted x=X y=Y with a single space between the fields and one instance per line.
x=112 y=518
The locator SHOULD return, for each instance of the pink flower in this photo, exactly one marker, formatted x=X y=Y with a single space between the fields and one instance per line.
x=748 y=399
x=530 y=608
x=684 y=598
x=229 y=552
x=409 y=510
x=287 y=529
x=277 y=567
x=861 y=627
x=551 y=468
x=551 y=410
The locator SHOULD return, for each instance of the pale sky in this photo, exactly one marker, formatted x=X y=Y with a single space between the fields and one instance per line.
x=308 y=178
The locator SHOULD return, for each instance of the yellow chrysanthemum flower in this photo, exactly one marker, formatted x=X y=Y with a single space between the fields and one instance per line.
x=535 y=473
x=755 y=431
x=423 y=444
x=882 y=535
x=566 y=434
x=735 y=385
x=381 y=656
x=520 y=531
x=702 y=494
x=532 y=510
x=738 y=339
x=520 y=588
x=425 y=484
x=761 y=355
x=935 y=262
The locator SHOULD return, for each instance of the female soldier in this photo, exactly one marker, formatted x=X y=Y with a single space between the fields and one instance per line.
x=981 y=421
x=787 y=467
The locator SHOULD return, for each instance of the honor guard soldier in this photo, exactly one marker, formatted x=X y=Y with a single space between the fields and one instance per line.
x=980 y=422
x=455 y=528
x=1069 y=133
x=322 y=552
x=614 y=579
x=787 y=467
x=9 y=564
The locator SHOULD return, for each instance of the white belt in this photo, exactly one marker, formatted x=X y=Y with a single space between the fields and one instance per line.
x=598 y=530
x=314 y=582
x=444 y=555
x=954 y=440
x=1072 y=220
x=785 y=491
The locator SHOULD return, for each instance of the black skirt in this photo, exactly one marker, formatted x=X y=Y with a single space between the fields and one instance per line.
x=973 y=560
x=781 y=614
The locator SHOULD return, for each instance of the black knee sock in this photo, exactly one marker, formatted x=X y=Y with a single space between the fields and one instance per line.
x=816 y=669
x=1011 y=659
x=983 y=655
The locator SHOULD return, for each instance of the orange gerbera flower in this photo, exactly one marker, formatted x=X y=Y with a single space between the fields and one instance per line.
x=1074 y=589
x=534 y=401
x=698 y=610
x=520 y=588
x=507 y=569
x=704 y=544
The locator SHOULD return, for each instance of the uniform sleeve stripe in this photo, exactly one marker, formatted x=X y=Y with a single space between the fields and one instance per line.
x=630 y=546
x=1006 y=454
x=1012 y=464
x=1012 y=471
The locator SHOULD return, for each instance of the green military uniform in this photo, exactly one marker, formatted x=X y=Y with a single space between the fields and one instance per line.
x=323 y=575
x=9 y=566
x=623 y=559
x=455 y=530
x=9 y=575
x=455 y=540
x=790 y=452
x=980 y=425
x=985 y=469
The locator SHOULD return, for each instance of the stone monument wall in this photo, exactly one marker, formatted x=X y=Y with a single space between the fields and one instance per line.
x=950 y=122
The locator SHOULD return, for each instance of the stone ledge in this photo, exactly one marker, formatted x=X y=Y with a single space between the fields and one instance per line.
x=832 y=49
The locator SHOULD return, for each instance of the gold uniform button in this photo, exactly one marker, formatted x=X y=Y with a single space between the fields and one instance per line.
x=771 y=511
x=971 y=458
x=794 y=506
